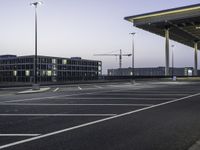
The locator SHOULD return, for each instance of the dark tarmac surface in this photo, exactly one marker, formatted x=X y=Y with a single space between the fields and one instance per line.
x=120 y=116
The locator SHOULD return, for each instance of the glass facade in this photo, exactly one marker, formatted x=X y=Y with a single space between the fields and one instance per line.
x=49 y=69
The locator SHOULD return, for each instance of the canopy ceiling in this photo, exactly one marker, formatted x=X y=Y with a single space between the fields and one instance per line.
x=183 y=23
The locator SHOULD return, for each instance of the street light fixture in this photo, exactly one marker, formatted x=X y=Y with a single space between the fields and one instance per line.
x=35 y=85
x=133 y=68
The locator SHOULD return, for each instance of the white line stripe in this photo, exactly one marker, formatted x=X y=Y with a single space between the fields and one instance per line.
x=56 y=90
x=93 y=98
x=94 y=122
x=50 y=97
x=9 y=135
x=117 y=98
x=56 y=115
x=99 y=87
x=145 y=94
x=42 y=104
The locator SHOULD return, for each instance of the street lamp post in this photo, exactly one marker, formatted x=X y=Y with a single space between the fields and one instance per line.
x=35 y=85
x=133 y=67
x=172 y=61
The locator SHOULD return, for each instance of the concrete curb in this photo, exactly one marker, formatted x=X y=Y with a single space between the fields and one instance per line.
x=196 y=146
x=34 y=91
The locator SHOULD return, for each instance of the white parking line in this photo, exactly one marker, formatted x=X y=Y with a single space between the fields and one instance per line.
x=91 y=98
x=94 y=122
x=56 y=115
x=56 y=90
x=116 y=98
x=132 y=94
x=15 y=135
x=79 y=88
x=46 y=104
x=99 y=87
x=50 y=97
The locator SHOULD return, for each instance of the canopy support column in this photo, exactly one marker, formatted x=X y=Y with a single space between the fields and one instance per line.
x=195 y=58
x=167 y=51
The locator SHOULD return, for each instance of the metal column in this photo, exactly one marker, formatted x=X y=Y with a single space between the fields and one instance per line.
x=167 y=52
x=195 y=58
x=120 y=59
x=35 y=66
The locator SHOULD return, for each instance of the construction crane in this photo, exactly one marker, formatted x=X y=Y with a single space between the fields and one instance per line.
x=120 y=56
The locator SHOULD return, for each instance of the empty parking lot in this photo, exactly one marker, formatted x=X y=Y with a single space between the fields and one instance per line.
x=120 y=116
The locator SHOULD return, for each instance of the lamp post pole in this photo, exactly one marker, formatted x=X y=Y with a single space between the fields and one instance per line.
x=172 y=60
x=35 y=4
x=133 y=67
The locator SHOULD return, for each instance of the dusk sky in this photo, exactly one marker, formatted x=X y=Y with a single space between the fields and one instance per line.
x=68 y=28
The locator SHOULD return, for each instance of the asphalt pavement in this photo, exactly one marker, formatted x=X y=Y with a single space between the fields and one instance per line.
x=114 y=116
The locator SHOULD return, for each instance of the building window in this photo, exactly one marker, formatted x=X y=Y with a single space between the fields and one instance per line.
x=27 y=72
x=54 y=61
x=43 y=72
x=54 y=67
x=64 y=61
x=54 y=73
x=49 y=73
x=15 y=73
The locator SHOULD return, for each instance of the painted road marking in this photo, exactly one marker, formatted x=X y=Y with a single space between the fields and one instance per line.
x=9 y=135
x=33 y=91
x=56 y=90
x=94 y=122
x=79 y=88
x=47 y=104
x=51 y=97
x=91 y=98
x=100 y=87
x=163 y=94
x=117 y=98
x=56 y=115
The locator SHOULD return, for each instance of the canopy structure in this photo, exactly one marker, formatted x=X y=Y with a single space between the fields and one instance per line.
x=179 y=24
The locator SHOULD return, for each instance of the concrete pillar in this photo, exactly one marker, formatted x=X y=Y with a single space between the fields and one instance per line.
x=167 y=52
x=195 y=58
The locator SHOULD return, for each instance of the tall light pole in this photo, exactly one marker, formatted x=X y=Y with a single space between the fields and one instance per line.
x=133 y=67
x=35 y=4
x=172 y=60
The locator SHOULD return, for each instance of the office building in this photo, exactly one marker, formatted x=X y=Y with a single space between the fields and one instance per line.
x=49 y=69
x=159 y=71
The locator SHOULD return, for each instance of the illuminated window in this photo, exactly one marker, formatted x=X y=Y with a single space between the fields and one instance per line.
x=15 y=73
x=27 y=72
x=54 y=73
x=64 y=61
x=49 y=73
x=54 y=61
x=189 y=72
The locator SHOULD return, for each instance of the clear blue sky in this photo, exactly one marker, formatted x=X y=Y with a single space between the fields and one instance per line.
x=84 y=27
